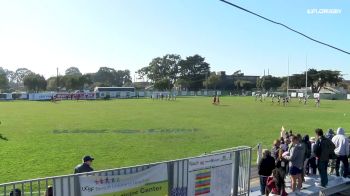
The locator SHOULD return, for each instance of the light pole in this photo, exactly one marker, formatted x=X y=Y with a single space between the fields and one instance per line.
x=288 y=80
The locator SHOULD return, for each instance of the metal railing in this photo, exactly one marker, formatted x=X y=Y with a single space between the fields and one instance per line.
x=178 y=175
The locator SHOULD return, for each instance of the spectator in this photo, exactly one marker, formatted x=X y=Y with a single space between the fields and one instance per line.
x=265 y=167
x=323 y=148
x=330 y=134
x=15 y=192
x=49 y=191
x=296 y=163
x=307 y=144
x=85 y=166
x=312 y=160
x=275 y=150
x=341 y=143
x=284 y=146
x=303 y=147
x=275 y=184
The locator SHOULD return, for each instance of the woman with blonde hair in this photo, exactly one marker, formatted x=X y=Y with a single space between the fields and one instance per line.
x=265 y=167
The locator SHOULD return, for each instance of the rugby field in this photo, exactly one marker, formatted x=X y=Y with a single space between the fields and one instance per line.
x=46 y=139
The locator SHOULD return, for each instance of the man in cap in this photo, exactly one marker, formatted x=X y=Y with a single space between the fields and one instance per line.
x=85 y=166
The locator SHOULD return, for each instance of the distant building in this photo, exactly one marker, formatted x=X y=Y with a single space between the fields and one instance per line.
x=114 y=92
x=227 y=81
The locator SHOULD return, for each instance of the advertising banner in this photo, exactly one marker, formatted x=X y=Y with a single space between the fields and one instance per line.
x=210 y=175
x=40 y=96
x=149 y=182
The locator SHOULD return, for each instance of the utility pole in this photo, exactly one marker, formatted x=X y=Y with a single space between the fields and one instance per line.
x=306 y=79
x=206 y=81
x=57 y=80
x=288 y=79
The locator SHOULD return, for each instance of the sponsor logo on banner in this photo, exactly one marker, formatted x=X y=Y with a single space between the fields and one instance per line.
x=149 y=182
x=209 y=161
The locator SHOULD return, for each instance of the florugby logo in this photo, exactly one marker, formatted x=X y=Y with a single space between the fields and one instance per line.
x=323 y=11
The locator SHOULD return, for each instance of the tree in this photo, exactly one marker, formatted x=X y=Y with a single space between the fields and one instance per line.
x=297 y=81
x=271 y=82
x=122 y=77
x=52 y=83
x=260 y=83
x=86 y=80
x=164 y=84
x=243 y=84
x=194 y=69
x=19 y=76
x=34 y=82
x=238 y=73
x=212 y=81
x=182 y=84
x=105 y=76
x=4 y=83
x=72 y=83
x=171 y=62
x=73 y=71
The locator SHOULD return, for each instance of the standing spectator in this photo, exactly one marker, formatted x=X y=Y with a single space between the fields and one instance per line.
x=332 y=162
x=85 y=166
x=265 y=167
x=323 y=148
x=303 y=147
x=307 y=144
x=49 y=191
x=275 y=151
x=341 y=143
x=275 y=184
x=312 y=160
x=296 y=163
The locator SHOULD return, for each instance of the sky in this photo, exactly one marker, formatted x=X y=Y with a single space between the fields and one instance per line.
x=43 y=35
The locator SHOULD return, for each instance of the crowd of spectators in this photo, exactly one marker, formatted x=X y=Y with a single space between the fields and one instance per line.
x=293 y=156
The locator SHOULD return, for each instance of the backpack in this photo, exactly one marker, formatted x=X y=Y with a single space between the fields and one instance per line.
x=331 y=146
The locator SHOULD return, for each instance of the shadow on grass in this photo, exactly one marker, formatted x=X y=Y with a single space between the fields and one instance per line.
x=128 y=131
x=223 y=105
x=3 y=138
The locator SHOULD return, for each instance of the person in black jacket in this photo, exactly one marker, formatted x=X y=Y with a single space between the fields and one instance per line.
x=265 y=167
x=323 y=149
x=85 y=166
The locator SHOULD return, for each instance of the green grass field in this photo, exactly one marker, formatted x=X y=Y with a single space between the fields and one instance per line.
x=46 y=139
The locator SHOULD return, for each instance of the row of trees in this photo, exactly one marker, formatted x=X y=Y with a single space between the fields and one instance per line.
x=315 y=79
x=165 y=73
x=172 y=71
x=193 y=73
x=24 y=79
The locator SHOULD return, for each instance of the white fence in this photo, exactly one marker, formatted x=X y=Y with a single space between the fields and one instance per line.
x=225 y=172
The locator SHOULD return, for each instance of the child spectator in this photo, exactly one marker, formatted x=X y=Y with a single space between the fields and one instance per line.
x=275 y=184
